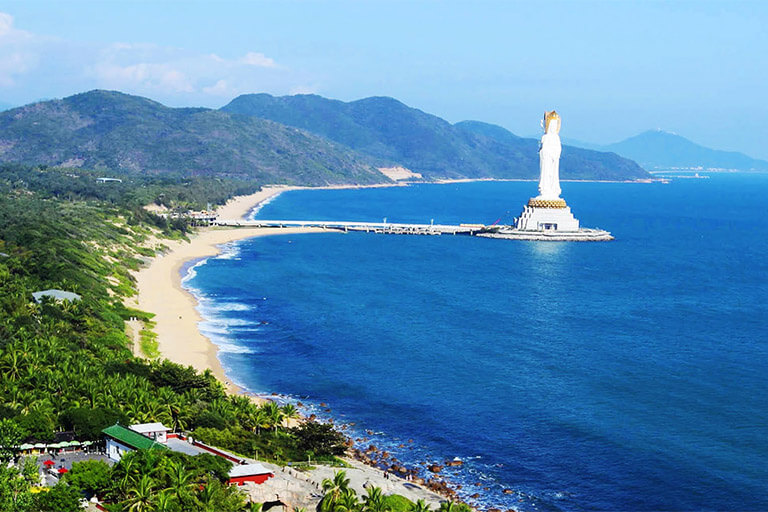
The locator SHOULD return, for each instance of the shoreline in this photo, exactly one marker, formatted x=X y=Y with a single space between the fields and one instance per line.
x=161 y=291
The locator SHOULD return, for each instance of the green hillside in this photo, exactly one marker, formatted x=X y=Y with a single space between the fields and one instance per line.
x=393 y=133
x=119 y=132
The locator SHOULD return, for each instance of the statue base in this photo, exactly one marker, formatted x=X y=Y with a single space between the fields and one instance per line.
x=547 y=215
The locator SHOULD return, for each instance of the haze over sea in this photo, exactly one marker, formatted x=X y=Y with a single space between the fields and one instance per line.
x=628 y=375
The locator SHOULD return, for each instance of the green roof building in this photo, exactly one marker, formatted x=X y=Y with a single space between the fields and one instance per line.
x=121 y=439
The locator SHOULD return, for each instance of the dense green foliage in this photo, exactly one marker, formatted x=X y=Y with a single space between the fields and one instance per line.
x=133 y=191
x=340 y=497
x=68 y=365
x=394 y=133
x=117 y=132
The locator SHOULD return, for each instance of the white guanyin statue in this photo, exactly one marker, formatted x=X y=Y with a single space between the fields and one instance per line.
x=549 y=158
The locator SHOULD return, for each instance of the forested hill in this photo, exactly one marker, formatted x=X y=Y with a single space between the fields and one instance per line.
x=394 y=133
x=119 y=132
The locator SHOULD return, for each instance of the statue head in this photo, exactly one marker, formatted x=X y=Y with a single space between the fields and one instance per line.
x=551 y=122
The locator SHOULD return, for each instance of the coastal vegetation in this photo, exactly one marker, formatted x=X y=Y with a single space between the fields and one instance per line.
x=338 y=496
x=67 y=365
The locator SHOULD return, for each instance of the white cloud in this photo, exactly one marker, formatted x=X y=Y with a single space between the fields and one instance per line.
x=258 y=60
x=35 y=65
x=19 y=51
x=302 y=89
x=220 y=88
x=6 y=23
x=143 y=76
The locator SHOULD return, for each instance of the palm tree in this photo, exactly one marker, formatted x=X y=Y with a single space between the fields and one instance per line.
x=448 y=506
x=140 y=495
x=164 y=502
x=347 y=503
x=421 y=506
x=290 y=411
x=180 y=481
x=274 y=414
x=373 y=501
x=334 y=489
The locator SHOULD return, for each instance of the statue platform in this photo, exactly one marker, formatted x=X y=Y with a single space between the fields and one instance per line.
x=581 y=235
x=547 y=215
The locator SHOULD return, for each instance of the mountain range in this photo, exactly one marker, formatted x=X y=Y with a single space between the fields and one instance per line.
x=303 y=139
x=393 y=133
x=657 y=149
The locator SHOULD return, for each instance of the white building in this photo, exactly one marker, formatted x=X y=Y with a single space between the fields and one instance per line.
x=155 y=431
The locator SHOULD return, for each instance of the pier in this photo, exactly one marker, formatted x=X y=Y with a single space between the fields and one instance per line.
x=394 y=228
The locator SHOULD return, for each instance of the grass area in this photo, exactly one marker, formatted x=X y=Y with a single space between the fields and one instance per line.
x=148 y=341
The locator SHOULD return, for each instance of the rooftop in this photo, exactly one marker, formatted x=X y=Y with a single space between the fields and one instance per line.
x=56 y=295
x=130 y=438
x=143 y=428
x=248 y=470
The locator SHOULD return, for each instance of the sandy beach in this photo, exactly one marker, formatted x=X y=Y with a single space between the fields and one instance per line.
x=160 y=290
x=161 y=293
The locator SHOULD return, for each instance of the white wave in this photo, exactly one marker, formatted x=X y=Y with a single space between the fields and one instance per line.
x=231 y=348
x=256 y=209
x=192 y=271
x=230 y=251
x=232 y=306
x=212 y=327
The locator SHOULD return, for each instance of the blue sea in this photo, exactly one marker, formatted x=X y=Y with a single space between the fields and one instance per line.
x=627 y=375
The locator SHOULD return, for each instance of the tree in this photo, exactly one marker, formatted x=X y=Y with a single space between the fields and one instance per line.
x=140 y=495
x=87 y=423
x=90 y=477
x=10 y=437
x=334 y=489
x=15 y=494
x=373 y=501
x=60 y=498
x=319 y=438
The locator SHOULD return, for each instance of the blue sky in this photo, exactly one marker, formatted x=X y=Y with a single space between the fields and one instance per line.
x=613 y=69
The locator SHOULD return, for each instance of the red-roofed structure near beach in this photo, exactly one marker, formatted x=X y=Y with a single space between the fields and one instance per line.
x=255 y=473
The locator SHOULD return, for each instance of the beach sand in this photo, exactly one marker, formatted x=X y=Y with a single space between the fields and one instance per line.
x=160 y=292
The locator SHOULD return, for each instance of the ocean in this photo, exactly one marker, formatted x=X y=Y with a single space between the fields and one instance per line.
x=623 y=375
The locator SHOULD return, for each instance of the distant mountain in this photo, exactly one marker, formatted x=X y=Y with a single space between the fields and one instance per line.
x=575 y=163
x=394 y=134
x=112 y=130
x=5 y=106
x=660 y=149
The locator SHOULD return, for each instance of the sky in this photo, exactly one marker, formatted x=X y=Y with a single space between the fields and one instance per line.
x=612 y=69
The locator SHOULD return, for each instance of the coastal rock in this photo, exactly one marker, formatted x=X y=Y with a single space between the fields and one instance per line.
x=435 y=468
x=508 y=491
x=475 y=496
x=454 y=462
x=323 y=404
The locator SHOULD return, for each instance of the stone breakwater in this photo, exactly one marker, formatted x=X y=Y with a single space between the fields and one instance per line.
x=582 y=235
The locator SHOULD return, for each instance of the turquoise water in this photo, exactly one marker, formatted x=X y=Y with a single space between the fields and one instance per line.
x=628 y=375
